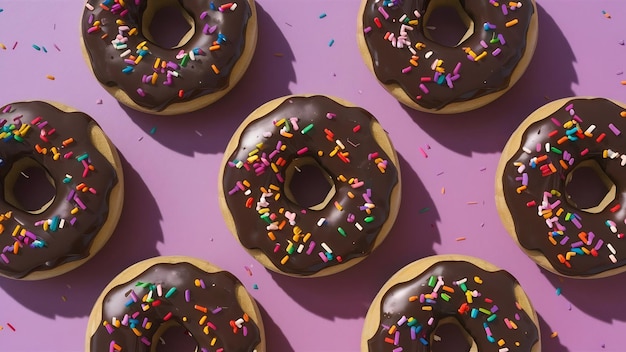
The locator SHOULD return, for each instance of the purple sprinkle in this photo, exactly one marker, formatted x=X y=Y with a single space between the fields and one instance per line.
x=501 y=39
x=141 y=92
x=564 y=240
x=614 y=129
x=496 y=52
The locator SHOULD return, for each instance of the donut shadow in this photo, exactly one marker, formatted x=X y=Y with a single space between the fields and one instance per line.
x=73 y=294
x=328 y=296
x=577 y=291
x=275 y=339
x=548 y=343
x=209 y=130
x=487 y=129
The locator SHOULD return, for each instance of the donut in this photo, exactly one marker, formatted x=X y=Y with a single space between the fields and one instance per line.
x=83 y=167
x=422 y=73
x=131 y=65
x=570 y=230
x=151 y=296
x=486 y=303
x=272 y=164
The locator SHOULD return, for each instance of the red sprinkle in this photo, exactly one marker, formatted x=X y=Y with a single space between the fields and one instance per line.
x=10 y=326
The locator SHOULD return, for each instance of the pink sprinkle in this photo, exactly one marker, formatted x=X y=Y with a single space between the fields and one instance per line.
x=203 y=15
x=56 y=47
x=367 y=29
x=323 y=257
x=406 y=69
x=423 y=88
x=7 y=109
x=383 y=12
x=330 y=115
x=423 y=153
x=141 y=92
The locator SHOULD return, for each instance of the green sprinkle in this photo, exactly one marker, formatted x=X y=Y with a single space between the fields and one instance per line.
x=341 y=231
x=170 y=292
x=82 y=157
x=266 y=217
x=432 y=281
x=153 y=130
x=484 y=311
x=491 y=318
x=142 y=284
x=184 y=60
x=18 y=138
x=412 y=321
x=307 y=129
x=67 y=180
x=423 y=210
x=36 y=47
x=445 y=297
x=556 y=150
x=369 y=219
x=463 y=287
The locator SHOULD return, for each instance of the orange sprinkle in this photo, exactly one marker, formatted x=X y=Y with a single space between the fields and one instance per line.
x=460 y=239
x=554 y=334
x=511 y=23
x=50 y=77
x=215 y=69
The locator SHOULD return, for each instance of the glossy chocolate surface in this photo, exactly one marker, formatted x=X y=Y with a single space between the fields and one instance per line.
x=558 y=234
x=172 y=295
x=299 y=240
x=66 y=237
x=422 y=83
x=194 y=76
x=475 y=298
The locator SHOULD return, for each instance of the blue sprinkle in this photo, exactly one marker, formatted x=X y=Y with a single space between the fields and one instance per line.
x=331 y=42
x=322 y=15
x=255 y=286
x=558 y=291
x=153 y=130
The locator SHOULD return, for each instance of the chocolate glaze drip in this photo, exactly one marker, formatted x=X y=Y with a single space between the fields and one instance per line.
x=531 y=229
x=219 y=297
x=252 y=228
x=196 y=79
x=40 y=249
x=497 y=286
x=490 y=74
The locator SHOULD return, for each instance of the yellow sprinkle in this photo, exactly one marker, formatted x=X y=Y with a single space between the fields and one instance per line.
x=132 y=31
x=284 y=260
x=140 y=45
x=427 y=308
x=3 y=47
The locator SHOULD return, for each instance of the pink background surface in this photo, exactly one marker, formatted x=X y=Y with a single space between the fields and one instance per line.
x=171 y=176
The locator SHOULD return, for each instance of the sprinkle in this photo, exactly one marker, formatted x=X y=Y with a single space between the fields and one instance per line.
x=322 y=15
x=50 y=77
x=10 y=326
x=331 y=42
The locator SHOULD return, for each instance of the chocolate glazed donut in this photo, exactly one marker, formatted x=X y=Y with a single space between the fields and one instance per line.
x=206 y=63
x=139 y=305
x=563 y=233
x=432 y=77
x=85 y=170
x=357 y=161
x=486 y=302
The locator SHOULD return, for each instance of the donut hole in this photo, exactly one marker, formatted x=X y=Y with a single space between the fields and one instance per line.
x=589 y=188
x=29 y=187
x=446 y=23
x=167 y=24
x=308 y=185
x=449 y=335
x=175 y=338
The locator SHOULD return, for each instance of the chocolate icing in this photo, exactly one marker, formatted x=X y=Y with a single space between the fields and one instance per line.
x=496 y=286
x=489 y=74
x=252 y=227
x=219 y=297
x=40 y=249
x=531 y=229
x=196 y=78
